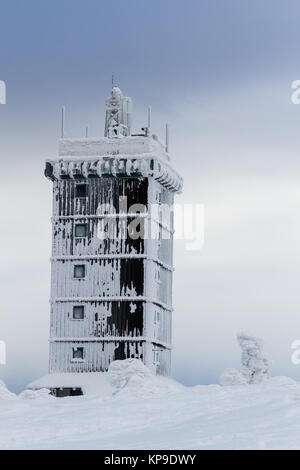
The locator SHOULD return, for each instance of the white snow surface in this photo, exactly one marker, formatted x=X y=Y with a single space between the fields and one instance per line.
x=91 y=384
x=104 y=146
x=5 y=394
x=35 y=394
x=232 y=377
x=148 y=412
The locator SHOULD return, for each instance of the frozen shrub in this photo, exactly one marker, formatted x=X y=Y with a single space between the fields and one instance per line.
x=255 y=365
x=129 y=372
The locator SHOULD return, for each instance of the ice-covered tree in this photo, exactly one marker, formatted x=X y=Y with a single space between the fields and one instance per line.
x=255 y=365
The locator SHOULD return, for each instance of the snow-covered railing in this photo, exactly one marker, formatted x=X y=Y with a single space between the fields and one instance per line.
x=135 y=166
x=121 y=298
x=112 y=256
x=97 y=339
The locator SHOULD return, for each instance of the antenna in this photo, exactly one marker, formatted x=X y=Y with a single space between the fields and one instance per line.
x=167 y=137
x=86 y=131
x=63 y=118
x=149 y=118
x=112 y=80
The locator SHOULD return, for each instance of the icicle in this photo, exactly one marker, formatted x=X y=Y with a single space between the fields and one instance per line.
x=85 y=167
x=71 y=169
x=128 y=167
x=99 y=167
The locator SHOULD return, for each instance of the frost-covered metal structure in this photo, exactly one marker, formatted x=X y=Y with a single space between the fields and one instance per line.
x=112 y=249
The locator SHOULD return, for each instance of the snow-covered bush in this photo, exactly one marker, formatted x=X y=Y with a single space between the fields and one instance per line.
x=5 y=394
x=35 y=394
x=255 y=365
x=232 y=377
x=131 y=378
x=129 y=372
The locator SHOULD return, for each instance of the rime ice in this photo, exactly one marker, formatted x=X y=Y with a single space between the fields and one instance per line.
x=111 y=297
x=255 y=365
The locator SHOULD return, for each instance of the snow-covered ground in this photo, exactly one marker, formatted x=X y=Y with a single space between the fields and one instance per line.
x=156 y=413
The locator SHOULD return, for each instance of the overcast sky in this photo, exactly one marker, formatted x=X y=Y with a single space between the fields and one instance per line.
x=220 y=73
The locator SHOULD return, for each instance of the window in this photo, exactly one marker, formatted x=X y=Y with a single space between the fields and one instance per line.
x=156 y=317
x=78 y=312
x=79 y=271
x=156 y=357
x=159 y=236
x=78 y=354
x=81 y=190
x=80 y=230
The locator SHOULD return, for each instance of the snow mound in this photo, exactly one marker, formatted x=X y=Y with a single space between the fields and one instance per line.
x=211 y=389
x=282 y=381
x=35 y=394
x=127 y=372
x=232 y=377
x=91 y=383
x=131 y=377
x=5 y=394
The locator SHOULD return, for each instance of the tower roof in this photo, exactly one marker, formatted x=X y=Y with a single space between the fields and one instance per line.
x=118 y=153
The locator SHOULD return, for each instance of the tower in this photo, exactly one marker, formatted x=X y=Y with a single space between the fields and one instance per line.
x=112 y=248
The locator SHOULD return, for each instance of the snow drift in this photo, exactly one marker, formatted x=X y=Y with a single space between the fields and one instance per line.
x=35 y=394
x=5 y=394
x=131 y=377
x=93 y=383
x=264 y=416
x=232 y=377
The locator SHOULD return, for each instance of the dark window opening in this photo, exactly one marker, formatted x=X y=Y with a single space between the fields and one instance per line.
x=81 y=230
x=79 y=271
x=78 y=353
x=78 y=312
x=81 y=190
x=66 y=392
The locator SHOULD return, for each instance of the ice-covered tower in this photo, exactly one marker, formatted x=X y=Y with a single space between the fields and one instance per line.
x=112 y=249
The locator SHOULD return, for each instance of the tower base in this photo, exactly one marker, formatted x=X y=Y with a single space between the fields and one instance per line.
x=74 y=384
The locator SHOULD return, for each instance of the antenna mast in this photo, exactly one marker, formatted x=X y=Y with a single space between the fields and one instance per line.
x=167 y=137
x=149 y=118
x=63 y=118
